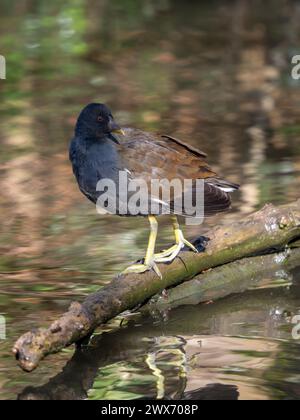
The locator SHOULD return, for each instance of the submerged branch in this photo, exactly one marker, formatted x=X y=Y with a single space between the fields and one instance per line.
x=270 y=228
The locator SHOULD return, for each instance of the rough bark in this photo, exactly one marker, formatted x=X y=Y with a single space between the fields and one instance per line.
x=270 y=228
x=228 y=279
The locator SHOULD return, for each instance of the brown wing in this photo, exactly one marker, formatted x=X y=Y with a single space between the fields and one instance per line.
x=188 y=147
x=148 y=156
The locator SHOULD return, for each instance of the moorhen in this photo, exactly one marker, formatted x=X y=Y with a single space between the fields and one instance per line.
x=101 y=150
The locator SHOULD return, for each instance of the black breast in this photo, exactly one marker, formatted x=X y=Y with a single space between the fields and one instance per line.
x=92 y=161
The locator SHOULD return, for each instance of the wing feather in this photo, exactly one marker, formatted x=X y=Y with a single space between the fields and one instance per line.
x=148 y=156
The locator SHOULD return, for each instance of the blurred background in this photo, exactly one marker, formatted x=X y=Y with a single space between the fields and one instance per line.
x=216 y=74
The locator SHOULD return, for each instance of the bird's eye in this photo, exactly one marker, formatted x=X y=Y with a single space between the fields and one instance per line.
x=100 y=119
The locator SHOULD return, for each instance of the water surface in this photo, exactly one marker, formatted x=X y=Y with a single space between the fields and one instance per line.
x=215 y=74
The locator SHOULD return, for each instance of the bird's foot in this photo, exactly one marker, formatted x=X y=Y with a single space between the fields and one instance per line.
x=171 y=257
x=170 y=254
x=165 y=253
x=140 y=268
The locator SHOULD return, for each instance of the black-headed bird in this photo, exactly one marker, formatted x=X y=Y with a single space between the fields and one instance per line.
x=101 y=150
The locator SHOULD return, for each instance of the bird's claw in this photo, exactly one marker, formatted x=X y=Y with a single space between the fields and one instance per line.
x=170 y=254
x=142 y=268
x=190 y=246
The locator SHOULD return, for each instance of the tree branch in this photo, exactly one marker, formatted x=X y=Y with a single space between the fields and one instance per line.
x=270 y=228
x=228 y=279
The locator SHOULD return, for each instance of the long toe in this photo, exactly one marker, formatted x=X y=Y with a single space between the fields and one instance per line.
x=171 y=257
x=190 y=246
x=165 y=253
x=142 y=268
x=170 y=254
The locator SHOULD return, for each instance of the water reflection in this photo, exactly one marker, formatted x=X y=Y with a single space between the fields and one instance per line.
x=243 y=346
x=216 y=75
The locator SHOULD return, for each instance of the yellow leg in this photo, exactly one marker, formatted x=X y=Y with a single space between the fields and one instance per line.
x=149 y=263
x=171 y=253
x=152 y=240
x=179 y=235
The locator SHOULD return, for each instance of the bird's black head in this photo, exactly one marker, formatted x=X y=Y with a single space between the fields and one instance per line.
x=96 y=121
